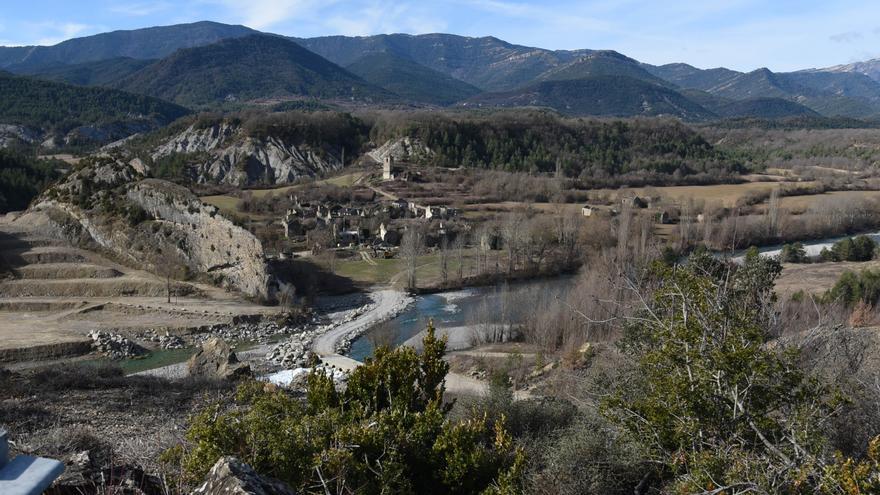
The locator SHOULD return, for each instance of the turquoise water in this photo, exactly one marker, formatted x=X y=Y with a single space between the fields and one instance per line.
x=509 y=304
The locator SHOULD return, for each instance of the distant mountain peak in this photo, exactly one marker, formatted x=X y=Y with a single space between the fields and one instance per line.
x=245 y=68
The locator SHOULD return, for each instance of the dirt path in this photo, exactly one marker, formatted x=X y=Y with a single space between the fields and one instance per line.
x=387 y=303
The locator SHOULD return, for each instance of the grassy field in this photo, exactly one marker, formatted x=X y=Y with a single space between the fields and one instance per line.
x=392 y=271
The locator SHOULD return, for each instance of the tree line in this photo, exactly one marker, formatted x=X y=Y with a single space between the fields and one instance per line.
x=23 y=177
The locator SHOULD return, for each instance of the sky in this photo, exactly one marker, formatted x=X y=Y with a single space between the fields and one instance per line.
x=781 y=35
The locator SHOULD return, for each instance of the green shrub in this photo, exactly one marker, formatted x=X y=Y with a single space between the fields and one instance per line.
x=859 y=248
x=711 y=405
x=793 y=253
x=853 y=287
x=386 y=432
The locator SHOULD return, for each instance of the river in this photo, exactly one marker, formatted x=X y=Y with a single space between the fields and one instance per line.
x=504 y=304
x=813 y=248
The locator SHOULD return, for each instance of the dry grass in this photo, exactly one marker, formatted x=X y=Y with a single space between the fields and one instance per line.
x=802 y=203
x=816 y=278
x=727 y=194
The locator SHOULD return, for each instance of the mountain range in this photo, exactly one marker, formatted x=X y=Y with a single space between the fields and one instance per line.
x=208 y=65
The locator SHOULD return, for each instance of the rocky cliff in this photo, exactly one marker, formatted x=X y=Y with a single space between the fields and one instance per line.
x=403 y=149
x=223 y=153
x=156 y=225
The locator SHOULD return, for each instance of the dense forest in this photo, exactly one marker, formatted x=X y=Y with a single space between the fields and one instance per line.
x=61 y=107
x=22 y=178
x=538 y=142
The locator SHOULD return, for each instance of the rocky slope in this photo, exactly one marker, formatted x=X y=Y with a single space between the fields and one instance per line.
x=401 y=150
x=223 y=153
x=156 y=225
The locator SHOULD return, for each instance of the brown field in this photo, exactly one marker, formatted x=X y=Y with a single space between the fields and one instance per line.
x=801 y=203
x=816 y=278
x=727 y=194
x=506 y=206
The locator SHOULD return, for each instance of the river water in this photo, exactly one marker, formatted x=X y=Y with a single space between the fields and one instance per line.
x=505 y=304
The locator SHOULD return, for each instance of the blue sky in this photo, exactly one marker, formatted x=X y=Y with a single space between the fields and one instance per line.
x=740 y=34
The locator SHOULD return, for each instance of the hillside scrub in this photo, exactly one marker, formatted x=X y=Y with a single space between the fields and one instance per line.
x=385 y=432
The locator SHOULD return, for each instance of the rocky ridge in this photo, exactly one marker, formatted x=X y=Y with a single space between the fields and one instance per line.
x=401 y=149
x=154 y=224
x=226 y=155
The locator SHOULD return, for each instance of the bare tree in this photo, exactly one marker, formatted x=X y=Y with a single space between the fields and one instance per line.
x=411 y=247
x=513 y=233
x=444 y=260
x=773 y=213
x=623 y=226
x=383 y=335
x=459 y=245
x=684 y=224
x=168 y=264
x=567 y=230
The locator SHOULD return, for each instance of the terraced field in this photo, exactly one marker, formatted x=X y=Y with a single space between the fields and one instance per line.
x=52 y=295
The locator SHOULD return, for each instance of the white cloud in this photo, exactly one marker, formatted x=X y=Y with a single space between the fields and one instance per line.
x=549 y=17
x=140 y=9
x=382 y=16
x=263 y=14
x=50 y=32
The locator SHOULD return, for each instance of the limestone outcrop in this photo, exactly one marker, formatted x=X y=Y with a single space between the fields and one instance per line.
x=216 y=360
x=85 y=135
x=157 y=225
x=206 y=240
x=405 y=149
x=224 y=154
x=230 y=476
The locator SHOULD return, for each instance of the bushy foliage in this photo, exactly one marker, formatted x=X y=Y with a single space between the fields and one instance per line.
x=712 y=405
x=848 y=476
x=853 y=287
x=859 y=248
x=793 y=253
x=386 y=432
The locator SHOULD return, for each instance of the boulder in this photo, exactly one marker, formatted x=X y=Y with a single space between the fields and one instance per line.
x=230 y=476
x=216 y=360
